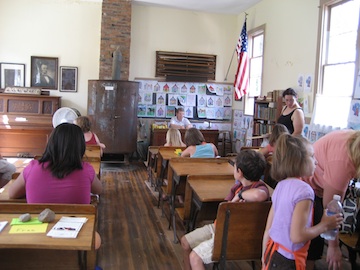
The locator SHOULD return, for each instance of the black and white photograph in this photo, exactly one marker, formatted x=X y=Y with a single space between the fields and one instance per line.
x=44 y=72
x=12 y=74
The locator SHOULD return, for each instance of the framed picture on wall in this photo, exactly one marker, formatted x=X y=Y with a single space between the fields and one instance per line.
x=44 y=72
x=12 y=75
x=68 y=79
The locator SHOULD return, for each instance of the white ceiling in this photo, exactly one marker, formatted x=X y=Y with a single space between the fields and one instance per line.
x=212 y=6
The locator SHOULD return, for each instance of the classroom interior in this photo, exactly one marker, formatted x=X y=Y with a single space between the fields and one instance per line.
x=85 y=34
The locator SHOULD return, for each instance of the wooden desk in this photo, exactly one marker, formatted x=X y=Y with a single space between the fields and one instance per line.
x=151 y=164
x=93 y=156
x=158 y=136
x=84 y=242
x=180 y=168
x=205 y=192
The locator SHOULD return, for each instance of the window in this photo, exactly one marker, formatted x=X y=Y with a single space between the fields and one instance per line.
x=338 y=61
x=256 y=51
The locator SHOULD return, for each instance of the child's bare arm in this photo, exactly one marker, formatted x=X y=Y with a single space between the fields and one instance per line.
x=299 y=232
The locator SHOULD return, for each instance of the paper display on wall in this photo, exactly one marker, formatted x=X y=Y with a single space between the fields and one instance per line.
x=155 y=98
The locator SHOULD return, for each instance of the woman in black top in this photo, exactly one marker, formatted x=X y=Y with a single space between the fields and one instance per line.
x=292 y=115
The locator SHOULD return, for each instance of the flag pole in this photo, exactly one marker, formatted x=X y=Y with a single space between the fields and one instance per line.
x=232 y=57
x=227 y=73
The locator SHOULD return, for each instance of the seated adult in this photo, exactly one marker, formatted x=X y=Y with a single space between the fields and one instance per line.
x=179 y=121
x=196 y=145
x=292 y=115
x=60 y=175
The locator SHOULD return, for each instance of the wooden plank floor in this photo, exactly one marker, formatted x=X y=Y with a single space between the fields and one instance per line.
x=134 y=235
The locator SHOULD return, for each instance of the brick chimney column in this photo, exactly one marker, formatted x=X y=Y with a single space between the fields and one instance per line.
x=115 y=32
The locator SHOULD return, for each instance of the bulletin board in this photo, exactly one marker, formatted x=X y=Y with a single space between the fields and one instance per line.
x=199 y=100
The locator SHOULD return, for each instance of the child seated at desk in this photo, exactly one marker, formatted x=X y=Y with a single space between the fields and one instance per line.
x=275 y=134
x=198 y=245
x=90 y=138
x=173 y=138
x=59 y=176
x=196 y=145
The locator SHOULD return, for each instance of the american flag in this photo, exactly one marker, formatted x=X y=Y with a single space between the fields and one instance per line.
x=241 y=83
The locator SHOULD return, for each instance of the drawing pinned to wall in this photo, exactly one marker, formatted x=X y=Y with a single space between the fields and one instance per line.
x=148 y=86
x=219 y=90
x=170 y=111
x=182 y=99
x=191 y=100
x=150 y=110
x=357 y=86
x=308 y=83
x=160 y=111
x=227 y=113
x=201 y=100
x=219 y=101
x=201 y=89
x=141 y=111
x=192 y=88
x=210 y=101
x=201 y=112
x=189 y=112
x=184 y=89
x=227 y=101
x=160 y=98
x=147 y=98
x=354 y=115
x=172 y=100
x=175 y=88
x=228 y=89
x=210 y=113
x=300 y=81
x=166 y=88
x=157 y=87
x=219 y=113
x=211 y=89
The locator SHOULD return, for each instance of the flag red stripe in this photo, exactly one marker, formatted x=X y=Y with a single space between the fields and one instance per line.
x=242 y=76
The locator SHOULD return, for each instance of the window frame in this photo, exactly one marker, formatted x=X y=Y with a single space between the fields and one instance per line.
x=260 y=30
x=322 y=50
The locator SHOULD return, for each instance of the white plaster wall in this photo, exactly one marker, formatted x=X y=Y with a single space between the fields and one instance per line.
x=290 y=40
x=67 y=29
x=70 y=30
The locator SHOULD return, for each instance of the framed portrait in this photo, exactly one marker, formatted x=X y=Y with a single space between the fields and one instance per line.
x=44 y=72
x=68 y=79
x=12 y=75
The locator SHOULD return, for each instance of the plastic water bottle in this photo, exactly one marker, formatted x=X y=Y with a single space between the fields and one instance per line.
x=333 y=207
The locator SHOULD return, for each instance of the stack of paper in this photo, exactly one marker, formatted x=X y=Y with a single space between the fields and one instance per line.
x=67 y=227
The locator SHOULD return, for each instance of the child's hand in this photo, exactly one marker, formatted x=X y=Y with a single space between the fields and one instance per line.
x=331 y=222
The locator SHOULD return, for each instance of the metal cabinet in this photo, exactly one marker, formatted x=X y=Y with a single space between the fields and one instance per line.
x=112 y=109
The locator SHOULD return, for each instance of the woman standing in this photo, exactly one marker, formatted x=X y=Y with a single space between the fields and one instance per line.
x=292 y=115
x=338 y=157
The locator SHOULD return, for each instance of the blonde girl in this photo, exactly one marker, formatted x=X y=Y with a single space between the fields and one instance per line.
x=289 y=226
x=173 y=138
